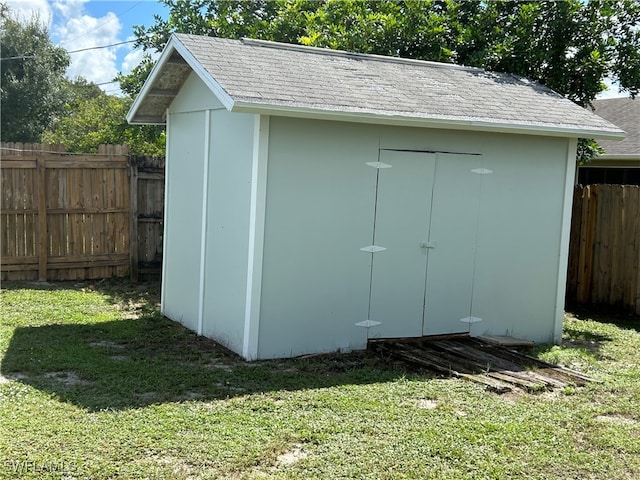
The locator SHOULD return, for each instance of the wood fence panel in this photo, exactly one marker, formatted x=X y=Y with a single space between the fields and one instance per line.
x=150 y=204
x=63 y=217
x=604 y=250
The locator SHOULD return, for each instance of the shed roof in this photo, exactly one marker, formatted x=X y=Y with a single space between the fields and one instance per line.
x=283 y=79
x=625 y=113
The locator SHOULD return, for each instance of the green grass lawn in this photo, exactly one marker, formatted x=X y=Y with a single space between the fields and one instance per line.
x=96 y=384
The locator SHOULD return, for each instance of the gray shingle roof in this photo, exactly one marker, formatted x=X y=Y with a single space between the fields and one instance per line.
x=290 y=79
x=625 y=113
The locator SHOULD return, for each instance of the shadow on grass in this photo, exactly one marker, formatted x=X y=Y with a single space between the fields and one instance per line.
x=137 y=362
x=580 y=341
x=606 y=314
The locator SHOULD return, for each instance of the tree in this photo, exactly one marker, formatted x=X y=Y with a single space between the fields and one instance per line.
x=32 y=78
x=570 y=46
x=93 y=118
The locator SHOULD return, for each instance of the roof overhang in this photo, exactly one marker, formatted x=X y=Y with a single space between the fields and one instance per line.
x=165 y=81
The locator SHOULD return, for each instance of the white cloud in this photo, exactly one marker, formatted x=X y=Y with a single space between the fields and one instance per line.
x=68 y=8
x=83 y=31
x=134 y=57
x=131 y=60
x=25 y=9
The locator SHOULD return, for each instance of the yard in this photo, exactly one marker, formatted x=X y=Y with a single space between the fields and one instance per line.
x=96 y=384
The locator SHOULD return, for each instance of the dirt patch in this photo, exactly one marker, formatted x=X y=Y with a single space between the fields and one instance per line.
x=616 y=419
x=426 y=404
x=68 y=379
x=13 y=376
x=178 y=467
x=191 y=395
x=229 y=387
x=118 y=358
x=512 y=396
x=107 y=344
x=146 y=397
x=219 y=366
x=291 y=456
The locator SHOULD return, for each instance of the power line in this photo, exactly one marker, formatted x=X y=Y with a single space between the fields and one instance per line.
x=103 y=46
x=72 y=51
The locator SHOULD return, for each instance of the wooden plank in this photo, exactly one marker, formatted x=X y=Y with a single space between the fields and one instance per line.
x=42 y=220
x=617 y=251
x=5 y=238
x=8 y=163
x=583 y=287
x=74 y=217
x=87 y=260
x=631 y=290
x=604 y=231
x=105 y=227
x=133 y=226
x=20 y=235
x=146 y=175
x=635 y=262
x=18 y=211
x=24 y=267
x=19 y=260
x=63 y=162
x=88 y=162
x=574 y=245
x=508 y=377
x=434 y=363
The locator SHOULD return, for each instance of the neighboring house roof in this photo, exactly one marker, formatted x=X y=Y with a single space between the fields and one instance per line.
x=625 y=113
x=283 y=79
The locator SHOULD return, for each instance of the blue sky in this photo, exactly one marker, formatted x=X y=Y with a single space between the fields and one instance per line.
x=81 y=24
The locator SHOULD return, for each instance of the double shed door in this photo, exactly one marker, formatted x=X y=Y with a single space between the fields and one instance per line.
x=424 y=240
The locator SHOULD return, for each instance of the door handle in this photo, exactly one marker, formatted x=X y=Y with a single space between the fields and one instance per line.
x=425 y=244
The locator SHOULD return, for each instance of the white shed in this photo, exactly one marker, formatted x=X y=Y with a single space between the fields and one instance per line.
x=316 y=198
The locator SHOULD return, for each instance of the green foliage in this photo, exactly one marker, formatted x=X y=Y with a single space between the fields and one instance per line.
x=132 y=83
x=32 y=78
x=93 y=118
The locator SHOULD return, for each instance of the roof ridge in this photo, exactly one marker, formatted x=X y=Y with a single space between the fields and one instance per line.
x=355 y=55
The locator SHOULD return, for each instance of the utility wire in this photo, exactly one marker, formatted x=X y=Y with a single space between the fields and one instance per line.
x=72 y=51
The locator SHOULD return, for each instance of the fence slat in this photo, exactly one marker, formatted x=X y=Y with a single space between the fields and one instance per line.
x=133 y=229
x=43 y=235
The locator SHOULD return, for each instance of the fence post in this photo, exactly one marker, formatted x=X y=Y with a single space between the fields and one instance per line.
x=42 y=219
x=133 y=219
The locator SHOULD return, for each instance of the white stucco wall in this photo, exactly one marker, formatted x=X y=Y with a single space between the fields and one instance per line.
x=208 y=187
x=319 y=208
x=182 y=227
x=227 y=238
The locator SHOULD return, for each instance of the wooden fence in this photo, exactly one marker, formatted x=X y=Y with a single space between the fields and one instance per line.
x=147 y=215
x=67 y=217
x=604 y=253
